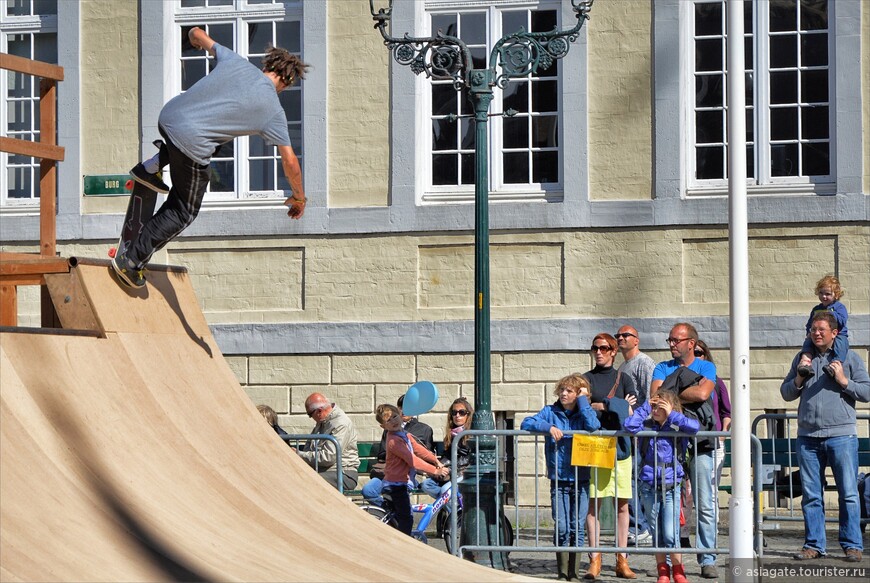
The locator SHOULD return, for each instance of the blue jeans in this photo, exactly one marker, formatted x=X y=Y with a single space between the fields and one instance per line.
x=372 y=490
x=662 y=514
x=700 y=474
x=431 y=487
x=841 y=455
x=569 y=503
x=636 y=515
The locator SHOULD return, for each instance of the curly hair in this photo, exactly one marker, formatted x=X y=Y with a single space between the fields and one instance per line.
x=287 y=66
x=832 y=282
x=575 y=381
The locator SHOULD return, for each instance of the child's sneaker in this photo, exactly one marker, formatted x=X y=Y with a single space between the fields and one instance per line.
x=828 y=370
x=805 y=371
x=128 y=275
x=152 y=181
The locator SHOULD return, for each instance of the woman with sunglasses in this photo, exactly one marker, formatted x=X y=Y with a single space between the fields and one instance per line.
x=608 y=389
x=721 y=410
x=458 y=420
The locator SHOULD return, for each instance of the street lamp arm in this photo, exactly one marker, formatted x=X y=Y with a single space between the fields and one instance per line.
x=441 y=57
x=522 y=53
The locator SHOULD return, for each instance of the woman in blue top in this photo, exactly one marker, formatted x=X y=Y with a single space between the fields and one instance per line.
x=569 y=485
x=661 y=474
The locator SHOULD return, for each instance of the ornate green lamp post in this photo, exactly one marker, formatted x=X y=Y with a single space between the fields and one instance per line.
x=444 y=57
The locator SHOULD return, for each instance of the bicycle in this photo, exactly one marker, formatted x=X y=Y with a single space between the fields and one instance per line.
x=432 y=510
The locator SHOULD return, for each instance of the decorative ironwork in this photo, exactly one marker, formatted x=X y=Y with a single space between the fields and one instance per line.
x=445 y=57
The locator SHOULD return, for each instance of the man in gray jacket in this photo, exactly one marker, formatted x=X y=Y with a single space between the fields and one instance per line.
x=828 y=436
x=321 y=454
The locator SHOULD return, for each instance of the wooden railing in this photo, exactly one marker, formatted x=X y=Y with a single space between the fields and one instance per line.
x=29 y=269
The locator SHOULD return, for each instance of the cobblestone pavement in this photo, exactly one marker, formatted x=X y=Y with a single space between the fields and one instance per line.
x=777 y=565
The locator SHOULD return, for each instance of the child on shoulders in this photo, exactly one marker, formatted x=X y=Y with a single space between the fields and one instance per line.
x=829 y=291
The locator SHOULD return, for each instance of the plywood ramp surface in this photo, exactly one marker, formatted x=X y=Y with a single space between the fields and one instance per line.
x=137 y=457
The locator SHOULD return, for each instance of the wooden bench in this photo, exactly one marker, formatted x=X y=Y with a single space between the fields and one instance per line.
x=368 y=455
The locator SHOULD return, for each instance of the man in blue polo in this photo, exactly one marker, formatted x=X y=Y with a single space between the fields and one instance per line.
x=681 y=341
x=827 y=436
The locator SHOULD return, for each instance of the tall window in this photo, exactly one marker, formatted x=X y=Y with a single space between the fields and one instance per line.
x=28 y=28
x=524 y=160
x=245 y=168
x=789 y=88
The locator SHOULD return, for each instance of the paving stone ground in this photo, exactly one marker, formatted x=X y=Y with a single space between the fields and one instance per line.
x=777 y=564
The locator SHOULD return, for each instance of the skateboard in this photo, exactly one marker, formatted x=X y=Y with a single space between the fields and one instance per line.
x=140 y=208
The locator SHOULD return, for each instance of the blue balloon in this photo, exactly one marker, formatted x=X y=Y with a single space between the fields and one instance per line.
x=420 y=398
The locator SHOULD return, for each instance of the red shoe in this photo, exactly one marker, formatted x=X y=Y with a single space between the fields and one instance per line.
x=680 y=574
x=664 y=571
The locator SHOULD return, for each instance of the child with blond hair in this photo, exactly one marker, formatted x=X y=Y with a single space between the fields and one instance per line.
x=569 y=484
x=829 y=291
x=662 y=473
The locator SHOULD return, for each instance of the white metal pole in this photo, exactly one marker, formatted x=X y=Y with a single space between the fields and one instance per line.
x=741 y=537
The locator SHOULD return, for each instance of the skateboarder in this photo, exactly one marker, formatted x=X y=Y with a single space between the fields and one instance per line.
x=235 y=99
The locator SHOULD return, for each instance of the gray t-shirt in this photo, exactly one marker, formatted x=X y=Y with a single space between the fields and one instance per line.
x=638 y=373
x=235 y=99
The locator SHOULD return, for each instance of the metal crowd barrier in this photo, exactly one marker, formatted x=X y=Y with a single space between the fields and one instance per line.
x=781 y=487
x=539 y=509
x=317 y=438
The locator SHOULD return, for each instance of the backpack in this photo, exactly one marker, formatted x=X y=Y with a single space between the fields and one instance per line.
x=680 y=380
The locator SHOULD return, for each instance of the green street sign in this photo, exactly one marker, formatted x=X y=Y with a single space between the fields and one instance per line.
x=108 y=185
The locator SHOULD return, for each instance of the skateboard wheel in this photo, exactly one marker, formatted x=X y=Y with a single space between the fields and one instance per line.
x=112 y=252
x=129 y=184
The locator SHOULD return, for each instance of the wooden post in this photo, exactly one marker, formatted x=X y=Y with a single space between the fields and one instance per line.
x=47 y=191
x=8 y=305
x=47 y=168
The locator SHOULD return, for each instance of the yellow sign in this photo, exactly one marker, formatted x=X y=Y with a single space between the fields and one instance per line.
x=592 y=450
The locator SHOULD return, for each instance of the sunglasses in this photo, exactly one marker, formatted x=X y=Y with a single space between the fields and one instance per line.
x=699 y=352
x=313 y=411
x=605 y=348
x=460 y=412
x=624 y=335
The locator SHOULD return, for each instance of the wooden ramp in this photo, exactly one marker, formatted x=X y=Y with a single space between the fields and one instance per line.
x=129 y=452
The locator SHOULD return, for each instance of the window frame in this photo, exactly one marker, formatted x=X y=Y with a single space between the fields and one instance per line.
x=32 y=24
x=763 y=183
x=499 y=190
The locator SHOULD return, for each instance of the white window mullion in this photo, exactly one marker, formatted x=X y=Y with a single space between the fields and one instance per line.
x=761 y=22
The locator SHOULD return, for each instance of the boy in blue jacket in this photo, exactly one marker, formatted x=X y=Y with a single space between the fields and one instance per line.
x=661 y=474
x=569 y=485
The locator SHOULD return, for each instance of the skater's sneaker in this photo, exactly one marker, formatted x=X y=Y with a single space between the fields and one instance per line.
x=127 y=273
x=152 y=181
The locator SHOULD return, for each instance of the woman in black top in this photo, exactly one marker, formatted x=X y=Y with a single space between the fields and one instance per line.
x=607 y=384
